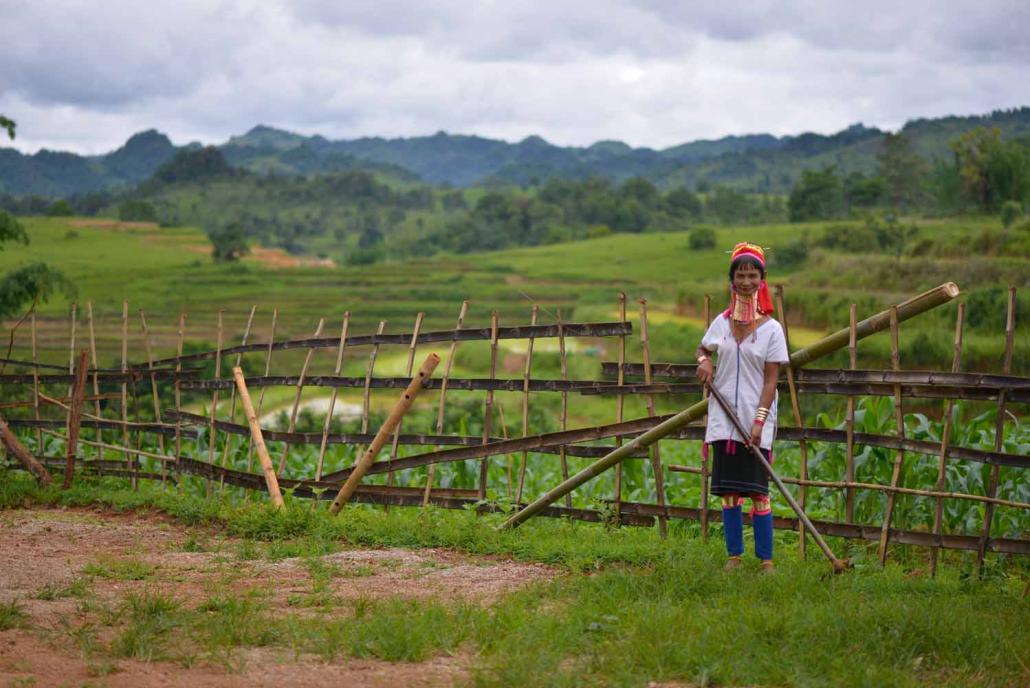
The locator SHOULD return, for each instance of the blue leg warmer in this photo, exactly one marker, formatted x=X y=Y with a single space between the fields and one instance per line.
x=733 y=530
x=763 y=525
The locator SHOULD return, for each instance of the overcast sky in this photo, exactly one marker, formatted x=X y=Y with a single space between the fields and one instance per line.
x=84 y=76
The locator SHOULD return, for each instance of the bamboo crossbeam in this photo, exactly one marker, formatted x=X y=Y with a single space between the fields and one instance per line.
x=464 y=335
x=114 y=447
x=876 y=323
x=109 y=377
x=394 y=419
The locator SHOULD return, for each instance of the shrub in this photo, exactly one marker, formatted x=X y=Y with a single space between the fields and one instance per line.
x=1010 y=212
x=702 y=238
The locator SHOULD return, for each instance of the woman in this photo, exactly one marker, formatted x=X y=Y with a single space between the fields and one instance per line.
x=750 y=347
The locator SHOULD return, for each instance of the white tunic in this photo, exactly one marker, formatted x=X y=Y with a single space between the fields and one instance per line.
x=740 y=375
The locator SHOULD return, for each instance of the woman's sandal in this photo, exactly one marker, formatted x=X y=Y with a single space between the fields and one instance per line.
x=768 y=566
x=733 y=563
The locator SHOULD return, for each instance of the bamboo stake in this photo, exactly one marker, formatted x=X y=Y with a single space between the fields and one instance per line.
x=409 y=367
x=332 y=399
x=849 y=457
x=71 y=348
x=525 y=407
x=430 y=472
x=705 y=468
x=74 y=416
x=795 y=405
x=907 y=309
x=261 y=395
x=999 y=430
x=178 y=391
x=938 y=511
x=563 y=417
x=899 y=420
x=296 y=398
x=153 y=382
x=35 y=381
x=488 y=413
x=504 y=434
x=14 y=446
x=402 y=405
x=125 y=389
x=271 y=481
x=232 y=392
x=656 y=459
x=96 y=381
x=620 y=405
x=135 y=452
x=214 y=396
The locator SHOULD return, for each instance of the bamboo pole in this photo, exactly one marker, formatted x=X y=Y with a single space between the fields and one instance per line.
x=232 y=392
x=296 y=399
x=261 y=395
x=366 y=399
x=705 y=468
x=525 y=407
x=214 y=396
x=999 y=430
x=93 y=360
x=408 y=369
x=656 y=459
x=164 y=458
x=907 y=309
x=35 y=380
x=899 y=459
x=838 y=565
x=71 y=348
x=799 y=421
x=431 y=471
x=949 y=405
x=620 y=407
x=271 y=480
x=402 y=405
x=14 y=446
x=504 y=434
x=153 y=383
x=74 y=416
x=125 y=389
x=564 y=414
x=849 y=456
x=327 y=424
x=180 y=335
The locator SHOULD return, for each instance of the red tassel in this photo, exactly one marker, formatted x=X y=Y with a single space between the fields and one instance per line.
x=765 y=303
x=704 y=451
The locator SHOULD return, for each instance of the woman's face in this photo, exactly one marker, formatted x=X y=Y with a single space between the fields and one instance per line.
x=746 y=279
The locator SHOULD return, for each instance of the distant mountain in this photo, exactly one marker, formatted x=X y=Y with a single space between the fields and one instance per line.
x=755 y=162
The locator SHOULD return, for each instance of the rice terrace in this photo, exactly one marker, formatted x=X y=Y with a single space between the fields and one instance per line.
x=454 y=411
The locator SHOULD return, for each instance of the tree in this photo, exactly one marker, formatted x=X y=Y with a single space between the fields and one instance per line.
x=229 y=243
x=903 y=171
x=992 y=171
x=33 y=282
x=819 y=195
x=9 y=125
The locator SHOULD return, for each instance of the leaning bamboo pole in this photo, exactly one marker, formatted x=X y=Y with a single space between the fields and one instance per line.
x=399 y=409
x=938 y=510
x=525 y=407
x=799 y=421
x=899 y=459
x=999 y=430
x=261 y=395
x=271 y=480
x=653 y=452
x=327 y=423
x=907 y=309
x=232 y=392
x=18 y=450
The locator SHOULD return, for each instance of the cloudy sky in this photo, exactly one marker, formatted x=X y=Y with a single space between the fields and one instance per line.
x=83 y=76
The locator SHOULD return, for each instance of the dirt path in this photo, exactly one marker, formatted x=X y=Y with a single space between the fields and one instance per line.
x=61 y=566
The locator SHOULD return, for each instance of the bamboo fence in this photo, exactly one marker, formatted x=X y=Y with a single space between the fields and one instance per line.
x=45 y=404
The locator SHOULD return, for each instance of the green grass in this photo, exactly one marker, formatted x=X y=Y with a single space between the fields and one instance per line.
x=630 y=609
x=11 y=615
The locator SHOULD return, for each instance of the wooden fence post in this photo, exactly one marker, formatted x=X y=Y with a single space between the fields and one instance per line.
x=938 y=510
x=440 y=409
x=332 y=399
x=849 y=450
x=620 y=406
x=525 y=408
x=656 y=458
x=409 y=367
x=705 y=468
x=799 y=421
x=271 y=480
x=564 y=414
x=232 y=392
x=296 y=399
x=899 y=420
x=74 y=416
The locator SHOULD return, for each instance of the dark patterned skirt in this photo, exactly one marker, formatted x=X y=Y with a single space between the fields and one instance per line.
x=735 y=470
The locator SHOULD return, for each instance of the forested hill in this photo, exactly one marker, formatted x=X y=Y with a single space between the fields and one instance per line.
x=757 y=163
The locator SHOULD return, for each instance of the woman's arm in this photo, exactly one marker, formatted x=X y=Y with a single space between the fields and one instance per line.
x=705 y=367
x=771 y=374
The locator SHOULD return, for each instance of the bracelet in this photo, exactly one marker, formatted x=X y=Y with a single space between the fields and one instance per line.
x=762 y=413
x=702 y=358
x=759 y=422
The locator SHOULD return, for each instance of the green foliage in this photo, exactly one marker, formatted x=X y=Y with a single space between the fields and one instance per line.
x=11 y=229
x=8 y=125
x=11 y=615
x=35 y=281
x=137 y=211
x=229 y=243
x=819 y=195
x=701 y=238
x=992 y=170
x=902 y=170
x=60 y=209
x=1010 y=212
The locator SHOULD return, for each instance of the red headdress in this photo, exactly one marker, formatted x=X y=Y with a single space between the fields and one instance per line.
x=765 y=304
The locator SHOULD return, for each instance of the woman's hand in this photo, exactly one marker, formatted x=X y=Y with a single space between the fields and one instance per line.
x=756 y=435
x=704 y=371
